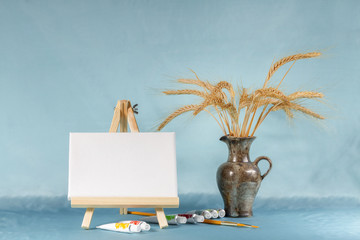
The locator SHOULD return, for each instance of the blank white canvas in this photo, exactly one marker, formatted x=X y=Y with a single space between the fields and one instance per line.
x=122 y=165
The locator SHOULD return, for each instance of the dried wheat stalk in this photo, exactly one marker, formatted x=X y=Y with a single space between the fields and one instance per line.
x=178 y=112
x=274 y=67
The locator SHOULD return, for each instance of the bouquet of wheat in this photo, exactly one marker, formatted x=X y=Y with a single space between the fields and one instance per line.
x=256 y=105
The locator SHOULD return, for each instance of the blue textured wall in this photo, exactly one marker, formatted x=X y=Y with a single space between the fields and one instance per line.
x=64 y=64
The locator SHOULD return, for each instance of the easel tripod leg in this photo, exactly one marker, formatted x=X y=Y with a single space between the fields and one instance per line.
x=161 y=217
x=123 y=211
x=87 y=218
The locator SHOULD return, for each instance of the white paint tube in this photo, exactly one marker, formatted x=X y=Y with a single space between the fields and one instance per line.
x=125 y=226
x=171 y=219
x=205 y=213
x=193 y=218
x=221 y=213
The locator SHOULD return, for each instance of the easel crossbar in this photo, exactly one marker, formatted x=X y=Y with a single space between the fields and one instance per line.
x=122 y=202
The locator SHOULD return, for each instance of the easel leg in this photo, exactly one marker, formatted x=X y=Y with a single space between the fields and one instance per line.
x=123 y=211
x=161 y=217
x=123 y=115
x=87 y=218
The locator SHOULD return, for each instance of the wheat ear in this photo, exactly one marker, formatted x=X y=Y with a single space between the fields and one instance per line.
x=204 y=84
x=186 y=92
x=271 y=93
x=184 y=109
x=198 y=82
x=285 y=60
x=305 y=94
x=307 y=111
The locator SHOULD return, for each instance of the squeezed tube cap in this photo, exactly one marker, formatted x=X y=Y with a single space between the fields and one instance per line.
x=214 y=214
x=145 y=226
x=221 y=213
x=206 y=214
x=181 y=220
x=134 y=228
x=199 y=218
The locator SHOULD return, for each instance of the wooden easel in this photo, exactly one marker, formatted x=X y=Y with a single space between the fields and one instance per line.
x=124 y=115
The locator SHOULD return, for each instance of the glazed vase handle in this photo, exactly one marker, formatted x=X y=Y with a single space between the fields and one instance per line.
x=267 y=159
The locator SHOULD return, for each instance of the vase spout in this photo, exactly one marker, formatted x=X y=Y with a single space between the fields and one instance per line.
x=224 y=139
x=239 y=148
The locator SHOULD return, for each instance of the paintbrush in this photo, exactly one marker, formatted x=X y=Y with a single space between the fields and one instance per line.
x=228 y=223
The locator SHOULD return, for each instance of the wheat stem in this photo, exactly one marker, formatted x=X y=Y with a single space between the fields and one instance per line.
x=222 y=127
x=248 y=131
x=268 y=111
x=285 y=74
x=246 y=119
x=258 y=121
x=220 y=117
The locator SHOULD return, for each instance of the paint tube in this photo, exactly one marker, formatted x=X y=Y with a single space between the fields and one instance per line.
x=217 y=213
x=192 y=218
x=221 y=213
x=143 y=225
x=171 y=219
x=125 y=226
x=205 y=213
x=214 y=213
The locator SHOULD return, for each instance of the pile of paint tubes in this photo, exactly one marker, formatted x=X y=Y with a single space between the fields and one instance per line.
x=210 y=213
x=193 y=217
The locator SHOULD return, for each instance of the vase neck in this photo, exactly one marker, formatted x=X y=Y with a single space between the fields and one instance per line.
x=239 y=148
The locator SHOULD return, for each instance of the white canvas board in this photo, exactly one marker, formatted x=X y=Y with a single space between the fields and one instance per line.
x=122 y=165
